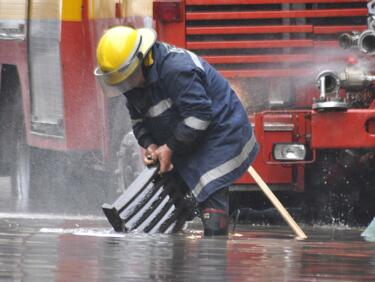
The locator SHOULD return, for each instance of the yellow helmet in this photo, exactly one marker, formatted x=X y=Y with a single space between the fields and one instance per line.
x=119 y=55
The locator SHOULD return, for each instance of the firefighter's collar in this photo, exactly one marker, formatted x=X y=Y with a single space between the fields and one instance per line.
x=149 y=59
x=152 y=73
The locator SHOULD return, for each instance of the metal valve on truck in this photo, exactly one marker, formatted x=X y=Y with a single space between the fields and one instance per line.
x=365 y=40
x=355 y=80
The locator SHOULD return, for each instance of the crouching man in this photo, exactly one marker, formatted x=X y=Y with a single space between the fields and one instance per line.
x=183 y=112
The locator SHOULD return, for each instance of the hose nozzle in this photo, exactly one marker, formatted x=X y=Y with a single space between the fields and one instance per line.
x=349 y=40
x=366 y=42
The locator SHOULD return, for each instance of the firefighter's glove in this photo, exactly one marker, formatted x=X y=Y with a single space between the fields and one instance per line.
x=164 y=156
x=150 y=157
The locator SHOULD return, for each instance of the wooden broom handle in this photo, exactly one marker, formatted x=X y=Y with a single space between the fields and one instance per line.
x=275 y=201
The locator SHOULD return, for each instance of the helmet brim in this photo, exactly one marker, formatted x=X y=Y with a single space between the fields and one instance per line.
x=135 y=79
x=148 y=39
x=116 y=78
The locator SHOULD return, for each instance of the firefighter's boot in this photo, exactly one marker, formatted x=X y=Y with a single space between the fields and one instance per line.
x=215 y=222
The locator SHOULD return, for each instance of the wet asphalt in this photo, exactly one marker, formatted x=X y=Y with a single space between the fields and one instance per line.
x=57 y=248
x=37 y=246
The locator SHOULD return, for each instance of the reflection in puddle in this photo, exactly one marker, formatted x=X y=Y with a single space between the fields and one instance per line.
x=35 y=249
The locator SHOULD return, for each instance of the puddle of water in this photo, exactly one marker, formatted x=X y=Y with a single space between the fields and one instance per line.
x=95 y=232
x=74 y=249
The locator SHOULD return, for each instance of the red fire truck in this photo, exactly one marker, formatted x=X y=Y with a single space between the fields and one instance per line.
x=302 y=69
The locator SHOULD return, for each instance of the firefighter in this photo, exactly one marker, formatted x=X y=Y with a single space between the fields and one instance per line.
x=183 y=112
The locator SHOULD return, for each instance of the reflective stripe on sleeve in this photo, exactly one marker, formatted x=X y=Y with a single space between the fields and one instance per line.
x=159 y=108
x=225 y=168
x=196 y=123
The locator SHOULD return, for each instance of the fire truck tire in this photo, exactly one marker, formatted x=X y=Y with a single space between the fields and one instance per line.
x=15 y=154
x=33 y=180
x=20 y=170
x=55 y=182
x=44 y=180
x=26 y=164
x=10 y=109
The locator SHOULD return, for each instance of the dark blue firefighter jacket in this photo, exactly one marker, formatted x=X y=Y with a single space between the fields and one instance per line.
x=189 y=106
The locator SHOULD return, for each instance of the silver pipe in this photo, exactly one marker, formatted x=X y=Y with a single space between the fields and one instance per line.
x=349 y=40
x=322 y=87
x=327 y=82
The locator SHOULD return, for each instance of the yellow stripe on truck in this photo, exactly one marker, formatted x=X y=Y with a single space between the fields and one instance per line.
x=71 y=10
x=66 y=10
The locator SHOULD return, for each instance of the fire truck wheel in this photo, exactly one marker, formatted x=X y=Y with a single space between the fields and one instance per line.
x=35 y=174
x=25 y=172
x=46 y=181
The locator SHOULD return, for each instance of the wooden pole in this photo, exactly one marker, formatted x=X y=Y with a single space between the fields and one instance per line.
x=275 y=201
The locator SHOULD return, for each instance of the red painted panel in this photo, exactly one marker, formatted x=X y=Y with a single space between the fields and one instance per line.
x=371 y=126
x=342 y=129
x=14 y=52
x=249 y=44
x=272 y=174
x=328 y=43
x=248 y=29
x=295 y=58
x=321 y=13
x=83 y=122
x=44 y=142
x=247 y=2
x=267 y=73
x=338 y=29
x=173 y=32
